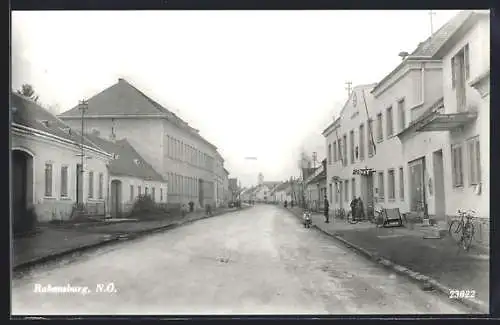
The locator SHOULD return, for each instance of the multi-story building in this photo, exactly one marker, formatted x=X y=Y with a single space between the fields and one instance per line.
x=47 y=171
x=453 y=171
x=173 y=148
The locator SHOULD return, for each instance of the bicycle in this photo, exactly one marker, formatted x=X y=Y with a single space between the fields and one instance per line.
x=463 y=230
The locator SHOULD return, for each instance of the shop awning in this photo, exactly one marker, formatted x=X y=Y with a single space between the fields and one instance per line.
x=434 y=120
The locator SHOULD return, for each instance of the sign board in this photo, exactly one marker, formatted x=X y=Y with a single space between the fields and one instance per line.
x=363 y=171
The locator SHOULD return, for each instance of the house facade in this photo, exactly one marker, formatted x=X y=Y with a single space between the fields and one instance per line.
x=172 y=147
x=316 y=188
x=130 y=176
x=47 y=173
x=458 y=176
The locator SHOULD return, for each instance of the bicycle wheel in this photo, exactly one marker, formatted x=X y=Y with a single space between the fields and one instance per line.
x=468 y=235
x=455 y=230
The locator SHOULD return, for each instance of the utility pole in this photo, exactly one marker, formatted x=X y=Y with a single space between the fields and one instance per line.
x=348 y=88
x=431 y=13
x=83 y=107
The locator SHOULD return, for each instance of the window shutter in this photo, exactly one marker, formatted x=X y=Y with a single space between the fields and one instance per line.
x=478 y=161
x=453 y=72
x=466 y=61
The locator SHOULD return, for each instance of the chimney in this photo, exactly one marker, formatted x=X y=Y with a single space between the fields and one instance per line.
x=120 y=80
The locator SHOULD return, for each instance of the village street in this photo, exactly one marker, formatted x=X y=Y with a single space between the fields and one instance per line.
x=256 y=261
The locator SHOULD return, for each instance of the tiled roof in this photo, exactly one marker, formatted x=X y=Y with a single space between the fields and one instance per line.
x=429 y=47
x=30 y=114
x=127 y=160
x=123 y=99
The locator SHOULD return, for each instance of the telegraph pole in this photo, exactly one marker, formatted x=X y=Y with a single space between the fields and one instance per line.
x=82 y=106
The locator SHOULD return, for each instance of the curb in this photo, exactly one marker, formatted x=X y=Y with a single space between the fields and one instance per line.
x=473 y=303
x=114 y=239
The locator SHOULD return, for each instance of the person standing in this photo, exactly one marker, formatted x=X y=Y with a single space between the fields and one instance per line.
x=327 y=210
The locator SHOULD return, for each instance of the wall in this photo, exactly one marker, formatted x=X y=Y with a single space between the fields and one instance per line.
x=479 y=52
x=128 y=200
x=55 y=207
x=142 y=134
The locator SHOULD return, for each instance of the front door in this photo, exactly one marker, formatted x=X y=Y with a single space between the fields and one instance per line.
x=439 y=192
x=115 y=205
x=367 y=194
x=79 y=184
x=417 y=195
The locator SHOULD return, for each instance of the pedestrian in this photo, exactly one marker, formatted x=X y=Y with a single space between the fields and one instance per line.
x=361 y=209
x=353 y=206
x=286 y=203
x=327 y=210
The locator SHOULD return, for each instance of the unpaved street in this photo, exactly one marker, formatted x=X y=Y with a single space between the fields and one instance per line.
x=256 y=261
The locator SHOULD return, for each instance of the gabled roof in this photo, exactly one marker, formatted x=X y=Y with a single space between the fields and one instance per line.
x=30 y=114
x=430 y=47
x=124 y=100
x=127 y=160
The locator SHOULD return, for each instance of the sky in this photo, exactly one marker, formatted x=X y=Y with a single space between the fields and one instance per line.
x=255 y=83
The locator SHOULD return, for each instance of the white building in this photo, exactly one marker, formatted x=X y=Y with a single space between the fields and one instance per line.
x=457 y=174
x=46 y=165
x=129 y=176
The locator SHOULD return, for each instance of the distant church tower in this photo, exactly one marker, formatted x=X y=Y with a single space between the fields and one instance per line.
x=261 y=179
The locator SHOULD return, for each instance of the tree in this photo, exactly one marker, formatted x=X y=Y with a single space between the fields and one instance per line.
x=27 y=90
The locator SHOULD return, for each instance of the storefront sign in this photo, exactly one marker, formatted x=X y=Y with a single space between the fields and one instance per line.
x=363 y=171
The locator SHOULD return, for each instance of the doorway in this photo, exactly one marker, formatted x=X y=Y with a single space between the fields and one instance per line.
x=79 y=184
x=200 y=192
x=22 y=190
x=439 y=195
x=417 y=189
x=367 y=191
x=116 y=198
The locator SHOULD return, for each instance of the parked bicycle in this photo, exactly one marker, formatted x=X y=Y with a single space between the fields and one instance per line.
x=462 y=230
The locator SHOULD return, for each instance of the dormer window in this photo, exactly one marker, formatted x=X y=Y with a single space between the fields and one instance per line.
x=66 y=130
x=45 y=123
x=137 y=161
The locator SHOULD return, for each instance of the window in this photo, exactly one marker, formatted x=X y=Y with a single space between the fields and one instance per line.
x=401 y=114
x=369 y=137
x=391 y=178
x=460 y=62
x=380 y=132
x=131 y=193
x=353 y=187
x=351 y=138
x=346 y=190
x=161 y=195
x=146 y=190
x=329 y=154
x=381 y=193
x=334 y=151
x=457 y=166
x=139 y=190
x=169 y=146
x=401 y=184
x=101 y=186
x=91 y=184
x=344 y=152
x=361 y=142
x=388 y=119
x=48 y=179
x=64 y=181
x=153 y=193
x=474 y=161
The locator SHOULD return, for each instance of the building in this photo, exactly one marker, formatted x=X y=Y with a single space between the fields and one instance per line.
x=130 y=176
x=316 y=188
x=233 y=189
x=282 y=193
x=47 y=173
x=456 y=127
x=225 y=184
x=172 y=147
x=262 y=192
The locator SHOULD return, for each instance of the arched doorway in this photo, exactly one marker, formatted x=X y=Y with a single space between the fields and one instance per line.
x=22 y=190
x=116 y=198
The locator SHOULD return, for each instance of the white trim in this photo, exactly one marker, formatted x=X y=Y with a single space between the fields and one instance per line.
x=46 y=135
x=52 y=185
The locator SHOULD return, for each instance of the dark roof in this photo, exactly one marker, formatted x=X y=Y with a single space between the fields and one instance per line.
x=127 y=160
x=123 y=99
x=30 y=114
